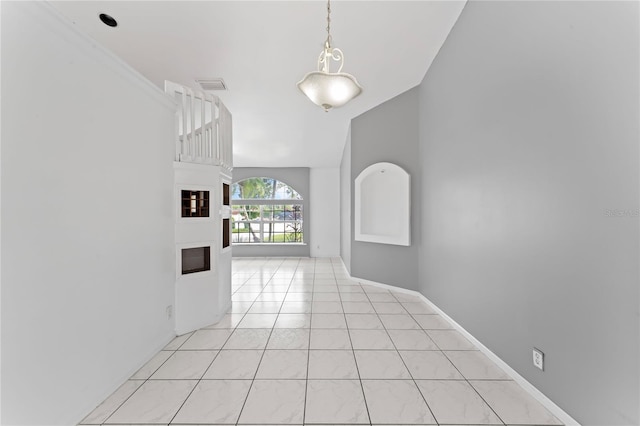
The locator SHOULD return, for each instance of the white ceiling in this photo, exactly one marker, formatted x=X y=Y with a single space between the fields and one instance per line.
x=263 y=48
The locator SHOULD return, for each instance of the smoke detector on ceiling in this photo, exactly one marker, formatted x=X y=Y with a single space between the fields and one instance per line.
x=212 y=84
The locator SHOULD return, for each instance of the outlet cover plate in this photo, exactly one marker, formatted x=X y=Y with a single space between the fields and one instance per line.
x=538 y=359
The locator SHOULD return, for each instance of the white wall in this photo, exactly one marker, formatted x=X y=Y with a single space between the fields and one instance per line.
x=345 y=203
x=324 y=184
x=87 y=219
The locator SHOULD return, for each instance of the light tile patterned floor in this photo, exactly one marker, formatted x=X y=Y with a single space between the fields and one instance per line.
x=304 y=344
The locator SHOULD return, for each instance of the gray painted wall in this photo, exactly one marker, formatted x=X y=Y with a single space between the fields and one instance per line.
x=296 y=177
x=345 y=203
x=389 y=133
x=529 y=138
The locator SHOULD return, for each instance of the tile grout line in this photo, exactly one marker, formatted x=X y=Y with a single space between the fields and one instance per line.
x=265 y=345
x=474 y=389
x=246 y=398
x=353 y=353
x=306 y=380
x=405 y=364
x=313 y=297
x=212 y=361
x=203 y=373
x=445 y=355
x=143 y=380
x=454 y=366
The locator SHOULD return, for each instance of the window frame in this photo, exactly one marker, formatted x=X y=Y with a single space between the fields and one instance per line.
x=262 y=221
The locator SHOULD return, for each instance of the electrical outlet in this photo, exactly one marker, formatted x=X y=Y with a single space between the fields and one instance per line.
x=169 y=311
x=538 y=359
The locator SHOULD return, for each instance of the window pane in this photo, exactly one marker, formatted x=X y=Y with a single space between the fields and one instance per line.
x=264 y=223
x=263 y=188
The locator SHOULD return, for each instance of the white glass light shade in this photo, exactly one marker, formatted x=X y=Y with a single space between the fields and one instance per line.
x=329 y=90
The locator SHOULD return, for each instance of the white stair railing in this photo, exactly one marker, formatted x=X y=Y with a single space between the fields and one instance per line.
x=203 y=127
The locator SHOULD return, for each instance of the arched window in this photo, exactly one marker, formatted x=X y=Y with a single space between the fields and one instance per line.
x=266 y=210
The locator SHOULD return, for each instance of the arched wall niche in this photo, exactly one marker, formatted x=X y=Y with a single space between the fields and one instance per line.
x=383 y=205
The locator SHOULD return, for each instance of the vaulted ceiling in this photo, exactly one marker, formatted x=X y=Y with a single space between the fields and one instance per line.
x=263 y=48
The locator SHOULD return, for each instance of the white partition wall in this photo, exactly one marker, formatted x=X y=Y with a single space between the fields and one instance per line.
x=324 y=214
x=199 y=301
x=202 y=175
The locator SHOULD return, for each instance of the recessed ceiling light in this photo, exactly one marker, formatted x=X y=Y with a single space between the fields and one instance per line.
x=108 y=20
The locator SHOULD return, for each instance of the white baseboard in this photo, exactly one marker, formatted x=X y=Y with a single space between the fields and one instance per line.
x=532 y=390
x=202 y=324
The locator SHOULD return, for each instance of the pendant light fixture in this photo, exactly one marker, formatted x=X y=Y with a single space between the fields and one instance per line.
x=325 y=88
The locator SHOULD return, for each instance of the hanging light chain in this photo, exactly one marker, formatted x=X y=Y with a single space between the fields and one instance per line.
x=328 y=23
